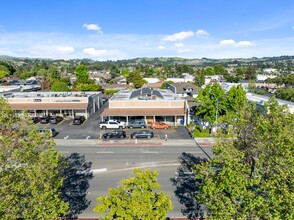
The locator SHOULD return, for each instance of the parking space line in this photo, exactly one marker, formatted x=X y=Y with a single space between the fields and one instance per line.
x=104 y=152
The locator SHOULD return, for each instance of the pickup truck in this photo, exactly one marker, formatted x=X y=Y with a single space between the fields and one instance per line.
x=112 y=124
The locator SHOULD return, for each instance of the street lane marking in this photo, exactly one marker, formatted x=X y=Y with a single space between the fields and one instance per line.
x=195 y=152
x=99 y=170
x=104 y=152
x=149 y=152
x=66 y=137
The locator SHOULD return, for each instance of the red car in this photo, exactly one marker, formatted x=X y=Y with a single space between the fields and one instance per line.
x=159 y=125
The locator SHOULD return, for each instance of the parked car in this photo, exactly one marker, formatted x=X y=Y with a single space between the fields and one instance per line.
x=112 y=124
x=136 y=124
x=79 y=120
x=51 y=131
x=35 y=120
x=45 y=119
x=142 y=134
x=115 y=134
x=56 y=119
x=159 y=125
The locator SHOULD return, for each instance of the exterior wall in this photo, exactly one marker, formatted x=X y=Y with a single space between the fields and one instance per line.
x=147 y=104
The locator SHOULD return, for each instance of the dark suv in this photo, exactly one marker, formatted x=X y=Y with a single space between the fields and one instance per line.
x=44 y=119
x=78 y=120
x=136 y=124
x=115 y=134
x=35 y=120
x=56 y=119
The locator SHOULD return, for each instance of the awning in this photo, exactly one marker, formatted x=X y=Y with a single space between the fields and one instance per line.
x=47 y=106
x=143 y=112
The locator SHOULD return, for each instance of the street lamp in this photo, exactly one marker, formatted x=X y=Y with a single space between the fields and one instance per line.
x=214 y=129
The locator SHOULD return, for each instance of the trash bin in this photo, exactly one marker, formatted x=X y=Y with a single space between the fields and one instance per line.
x=182 y=121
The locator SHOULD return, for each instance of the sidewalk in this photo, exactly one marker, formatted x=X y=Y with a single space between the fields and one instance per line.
x=126 y=142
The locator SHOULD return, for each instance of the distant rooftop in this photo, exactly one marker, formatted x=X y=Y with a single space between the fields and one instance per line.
x=145 y=94
x=48 y=94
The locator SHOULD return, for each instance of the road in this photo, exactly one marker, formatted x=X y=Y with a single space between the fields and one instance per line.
x=117 y=162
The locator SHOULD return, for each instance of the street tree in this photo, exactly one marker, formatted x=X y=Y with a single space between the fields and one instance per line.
x=251 y=175
x=135 y=198
x=30 y=181
x=212 y=102
x=235 y=100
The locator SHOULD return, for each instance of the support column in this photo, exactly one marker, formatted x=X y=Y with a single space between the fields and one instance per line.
x=176 y=121
x=145 y=119
x=127 y=120
x=46 y=112
x=72 y=113
x=35 y=112
x=153 y=118
x=185 y=119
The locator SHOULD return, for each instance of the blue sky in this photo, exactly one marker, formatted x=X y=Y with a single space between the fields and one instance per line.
x=125 y=29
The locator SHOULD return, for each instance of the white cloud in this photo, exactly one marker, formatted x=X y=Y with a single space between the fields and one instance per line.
x=160 y=47
x=179 y=36
x=244 y=44
x=293 y=27
x=184 y=51
x=179 y=44
x=233 y=43
x=51 y=50
x=200 y=33
x=227 y=42
x=93 y=27
x=93 y=52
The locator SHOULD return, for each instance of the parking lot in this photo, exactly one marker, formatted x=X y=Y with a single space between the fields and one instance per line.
x=90 y=130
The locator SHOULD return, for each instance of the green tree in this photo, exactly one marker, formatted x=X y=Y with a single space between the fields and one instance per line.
x=251 y=175
x=199 y=79
x=236 y=99
x=59 y=86
x=82 y=73
x=209 y=71
x=30 y=181
x=87 y=87
x=3 y=71
x=220 y=69
x=250 y=73
x=137 y=79
x=212 y=102
x=135 y=198
x=53 y=72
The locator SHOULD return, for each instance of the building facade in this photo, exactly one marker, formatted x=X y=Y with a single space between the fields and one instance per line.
x=66 y=104
x=147 y=104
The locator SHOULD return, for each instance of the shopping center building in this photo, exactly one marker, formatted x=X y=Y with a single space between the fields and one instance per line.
x=149 y=105
x=66 y=104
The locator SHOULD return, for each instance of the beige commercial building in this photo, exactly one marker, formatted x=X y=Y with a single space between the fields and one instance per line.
x=66 y=104
x=149 y=105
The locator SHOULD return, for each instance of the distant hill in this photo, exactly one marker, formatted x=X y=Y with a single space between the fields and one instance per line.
x=157 y=61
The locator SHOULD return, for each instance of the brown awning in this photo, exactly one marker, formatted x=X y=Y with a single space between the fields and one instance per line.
x=143 y=112
x=48 y=106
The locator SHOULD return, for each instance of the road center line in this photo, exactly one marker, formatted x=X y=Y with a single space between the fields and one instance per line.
x=149 y=152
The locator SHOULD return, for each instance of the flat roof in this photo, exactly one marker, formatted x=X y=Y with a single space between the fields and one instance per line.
x=163 y=94
x=48 y=94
